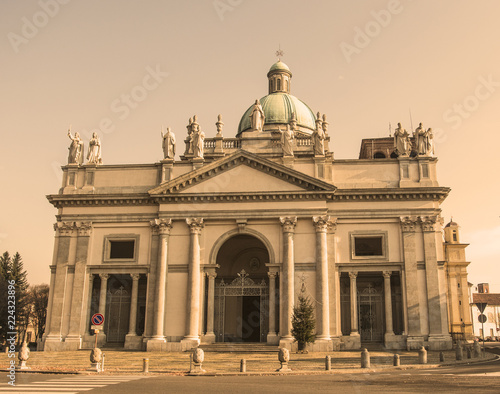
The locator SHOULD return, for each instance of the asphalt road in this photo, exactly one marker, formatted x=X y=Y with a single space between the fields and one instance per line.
x=476 y=378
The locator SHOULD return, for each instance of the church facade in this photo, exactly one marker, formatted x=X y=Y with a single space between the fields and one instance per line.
x=216 y=247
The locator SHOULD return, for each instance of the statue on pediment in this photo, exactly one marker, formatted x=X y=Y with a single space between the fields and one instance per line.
x=257 y=116
x=94 y=152
x=424 y=141
x=198 y=139
x=76 y=149
x=402 y=141
x=287 y=137
x=168 y=144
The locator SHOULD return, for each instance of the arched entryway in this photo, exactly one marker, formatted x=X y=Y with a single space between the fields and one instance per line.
x=242 y=292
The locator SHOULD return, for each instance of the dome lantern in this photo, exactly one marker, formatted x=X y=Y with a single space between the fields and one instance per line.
x=279 y=76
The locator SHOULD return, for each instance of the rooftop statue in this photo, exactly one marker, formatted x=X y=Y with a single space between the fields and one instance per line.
x=168 y=144
x=197 y=138
x=76 y=148
x=219 y=125
x=402 y=141
x=257 y=116
x=94 y=152
x=318 y=137
x=424 y=141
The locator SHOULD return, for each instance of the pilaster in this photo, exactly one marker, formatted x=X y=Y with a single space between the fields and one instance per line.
x=287 y=279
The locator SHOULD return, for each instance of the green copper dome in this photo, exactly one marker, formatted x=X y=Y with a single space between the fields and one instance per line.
x=278 y=109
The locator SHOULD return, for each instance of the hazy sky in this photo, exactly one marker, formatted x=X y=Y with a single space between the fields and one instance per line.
x=127 y=67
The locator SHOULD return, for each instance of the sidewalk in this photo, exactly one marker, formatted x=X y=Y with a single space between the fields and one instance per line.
x=118 y=361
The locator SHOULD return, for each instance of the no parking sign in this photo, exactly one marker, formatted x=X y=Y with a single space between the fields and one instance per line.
x=97 y=320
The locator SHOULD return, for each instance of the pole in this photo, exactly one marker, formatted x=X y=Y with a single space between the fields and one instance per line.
x=482 y=324
x=95 y=343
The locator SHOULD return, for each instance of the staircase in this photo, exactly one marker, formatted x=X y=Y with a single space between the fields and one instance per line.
x=238 y=347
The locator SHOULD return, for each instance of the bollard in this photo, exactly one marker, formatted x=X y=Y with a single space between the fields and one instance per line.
x=365 y=359
x=284 y=358
x=145 y=365
x=197 y=361
x=328 y=363
x=243 y=365
x=469 y=352
x=23 y=356
x=459 y=354
x=422 y=356
x=102 y=362
x=476 y=349
x=441 y=357
x=396 y=361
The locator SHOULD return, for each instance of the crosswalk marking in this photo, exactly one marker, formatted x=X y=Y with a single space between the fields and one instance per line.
x=67 y=385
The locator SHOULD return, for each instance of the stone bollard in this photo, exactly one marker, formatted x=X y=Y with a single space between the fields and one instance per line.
x=476 y=349
x=397 y=360
x=441 y=357
x=328 y=363
x=23 y=356
x=469 y=352
x=284 y=358
x=145 y=365
x=422 y=356
x=459 y=354
x=243 y=365
x=365 y=359
x=198 y=357
x=95 y=360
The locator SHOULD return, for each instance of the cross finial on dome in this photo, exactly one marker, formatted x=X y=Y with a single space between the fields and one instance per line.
x=279 y=52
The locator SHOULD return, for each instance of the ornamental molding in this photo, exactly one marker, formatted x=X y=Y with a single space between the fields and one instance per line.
x=161 y=226
x=242 y=157
x=195 y=225
x=84 y=228
x=428 y=223
x=64 y=229
x=288 y=223
x=408 y=224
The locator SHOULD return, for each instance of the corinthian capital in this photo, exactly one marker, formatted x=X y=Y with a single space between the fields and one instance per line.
x=84 y=228
x=408 y=224
x=64 y=228
x=288 y=223
x=161 y=226
x=325 y=223
x=195 y=225
x=428 y=223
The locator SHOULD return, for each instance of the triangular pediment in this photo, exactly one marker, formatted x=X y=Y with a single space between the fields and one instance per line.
x=242 y=172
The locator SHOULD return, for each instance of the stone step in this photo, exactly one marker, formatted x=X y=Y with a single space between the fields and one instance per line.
x=239 y=348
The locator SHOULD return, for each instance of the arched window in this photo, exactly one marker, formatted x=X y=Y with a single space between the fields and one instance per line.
x=286 y=85
x=379 y=155
x=279 y=84
x=270 y=85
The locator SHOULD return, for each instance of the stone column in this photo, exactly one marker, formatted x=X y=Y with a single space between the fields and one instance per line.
x=455 y=323
x=415 y=338
x=322 y=296
x=89 y=304
x=210 y=336
x=133 y=304
x=287 y=279
x=272 y=338
x=51 y=296
x=439 y=337
x=389 y=329
x=354 y=304
x=157 y=342
x=102 y=293
x=192 y=338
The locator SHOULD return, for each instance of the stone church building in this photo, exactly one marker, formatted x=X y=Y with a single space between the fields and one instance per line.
x=215 y=247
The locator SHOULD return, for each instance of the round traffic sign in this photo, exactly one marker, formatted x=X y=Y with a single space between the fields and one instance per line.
x=97 y=319
x=482 y=318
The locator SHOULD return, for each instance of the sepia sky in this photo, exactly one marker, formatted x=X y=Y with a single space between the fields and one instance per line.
x=127 y=67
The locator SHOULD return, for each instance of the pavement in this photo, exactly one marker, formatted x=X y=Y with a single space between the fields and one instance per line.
x=228 y=364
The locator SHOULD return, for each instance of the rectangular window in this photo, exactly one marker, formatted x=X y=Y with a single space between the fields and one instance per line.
x=121 y=249
x=455 y=236
x=368 y=246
